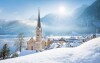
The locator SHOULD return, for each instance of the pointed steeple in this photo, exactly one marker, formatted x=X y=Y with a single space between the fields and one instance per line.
x=39 y=24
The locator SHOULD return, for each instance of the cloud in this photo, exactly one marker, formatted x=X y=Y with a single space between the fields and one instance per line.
x=29 y=22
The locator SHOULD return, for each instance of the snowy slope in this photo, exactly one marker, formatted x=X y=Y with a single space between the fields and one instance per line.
x=27 y=52
x=88 y=52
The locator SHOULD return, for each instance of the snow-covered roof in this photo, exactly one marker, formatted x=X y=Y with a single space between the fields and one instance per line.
x=62 y=39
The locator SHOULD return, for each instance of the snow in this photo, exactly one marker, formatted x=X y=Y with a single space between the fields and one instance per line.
x=54 y=45
x=66 y=43
x=27 y=52
x=67 y=37
x=74 y=44
x=89 y=52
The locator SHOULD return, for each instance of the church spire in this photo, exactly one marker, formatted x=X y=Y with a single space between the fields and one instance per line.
x=39 y=24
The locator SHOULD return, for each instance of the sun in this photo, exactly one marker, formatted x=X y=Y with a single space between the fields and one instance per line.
x=62 y=10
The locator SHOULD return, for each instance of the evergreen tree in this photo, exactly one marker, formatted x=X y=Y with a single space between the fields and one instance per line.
x=5 y=52
x=15 y=55
x=0 y=54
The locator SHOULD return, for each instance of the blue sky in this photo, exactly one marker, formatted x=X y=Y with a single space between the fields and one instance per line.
x=24 y=9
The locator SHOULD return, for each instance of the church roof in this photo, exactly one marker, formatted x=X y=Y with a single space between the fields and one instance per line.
x=31 y=40
x=39 y=24
x=62 y=39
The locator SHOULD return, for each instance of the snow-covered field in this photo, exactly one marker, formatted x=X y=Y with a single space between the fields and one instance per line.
x=26 y=52
x=88 y=52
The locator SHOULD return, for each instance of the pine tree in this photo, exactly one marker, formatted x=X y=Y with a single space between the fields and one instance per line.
x=0 y=54
x=5 y=52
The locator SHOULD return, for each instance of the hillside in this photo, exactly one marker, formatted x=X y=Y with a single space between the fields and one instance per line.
x=88 y=52
x=92 y=11
x=90 y=18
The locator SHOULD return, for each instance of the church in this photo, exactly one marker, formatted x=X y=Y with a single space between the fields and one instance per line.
x=38 y=43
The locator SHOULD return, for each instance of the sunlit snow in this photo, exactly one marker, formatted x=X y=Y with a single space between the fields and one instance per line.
x=88 y=52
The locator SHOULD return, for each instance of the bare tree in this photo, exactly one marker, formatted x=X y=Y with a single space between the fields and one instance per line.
x=20 y=42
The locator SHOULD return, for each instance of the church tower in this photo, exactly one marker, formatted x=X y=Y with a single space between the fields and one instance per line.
x=38 y=29
x=38 y=33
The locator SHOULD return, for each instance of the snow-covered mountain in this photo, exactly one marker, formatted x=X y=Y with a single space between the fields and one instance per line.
x=88 y=52
x=90 y=18
x=79 y=11
x=56 y=24
x=14 y=27
x=84 y=20
x=92 y=11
